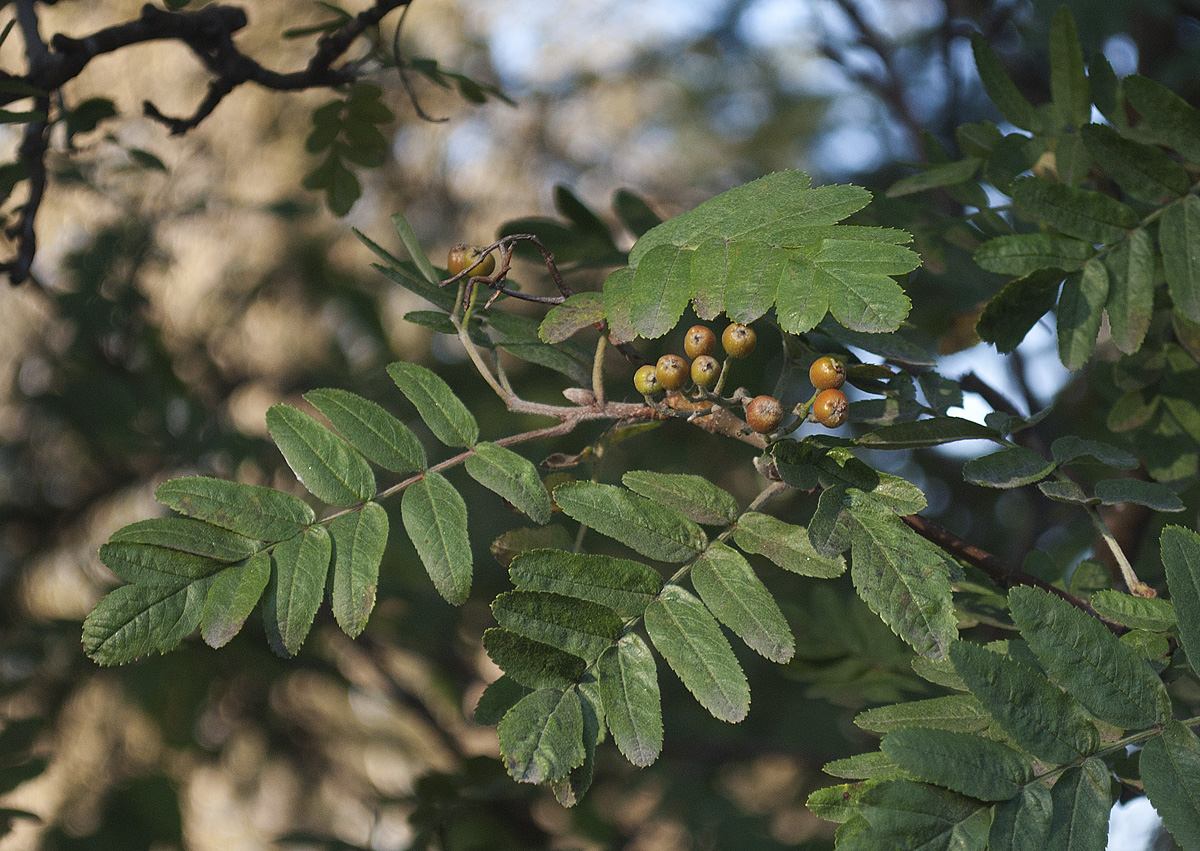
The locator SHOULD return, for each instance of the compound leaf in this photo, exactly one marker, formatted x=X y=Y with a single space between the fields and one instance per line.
x=1155 y=495
x=1025 y=253
x=999 y=86
x=1013 y=311
x=435 y=517
x=445 y=414
x=1069 y=89
x=1143 y=171
x=689 y=638
x=931 y=432
x=632 y=706
x=359 y=539
x=1174 y=121
x=147 y=564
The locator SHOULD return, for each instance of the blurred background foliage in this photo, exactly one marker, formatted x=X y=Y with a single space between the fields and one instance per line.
x=185 y=284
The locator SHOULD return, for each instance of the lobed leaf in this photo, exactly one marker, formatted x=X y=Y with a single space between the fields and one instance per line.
x=1106 y=676
x=370 y=429
x=264 y=514
x=786 y=545
x=737 y=598
x=688 y=637
x=624 y=586
x=299 y=568
x=235 y=592
x=530 y=662
x=322 y=461
x=359 y=539
x=693 y=496
x=1039 y=716
x=1170 y=769
x=579 y=627
x=661 y=290
x=963 y=762
x=447 y=417
x=629 y=691
x=1180 y=549
x=541 y=738
x=653 y=530
x=189 y=536
x=618 y=305
x=435 y=517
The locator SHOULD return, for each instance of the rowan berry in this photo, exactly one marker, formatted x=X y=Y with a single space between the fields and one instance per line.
x=764 y=414
x=463 y=256
x=699 y=341
x=646 y=380
x=827 y=373
x=705 y=371
x=831 y=408
x=672 y=372
x=738 y=340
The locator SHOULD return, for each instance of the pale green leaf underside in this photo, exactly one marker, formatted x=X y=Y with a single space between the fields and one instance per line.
x=447 y=417
x=629 y=692
x=653 y=530
x=359 y=539
x=435 y=517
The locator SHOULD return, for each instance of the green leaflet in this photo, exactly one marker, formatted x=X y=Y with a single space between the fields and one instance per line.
x=1000 y=87
x=1081 y=213
x=839 y=803
x=512 y=477
x=1179 y=235
x=1091 y=663
x=651 y=529
x=530 y=662
x=1039 y=716
x=322 y=461
x=1174 y=121
x=960 y=712
x=1080 y=311
x=407 y=276
x=932 y=177
x=1170 y=767
x=1130 y=290
x=147 y=564
x=234 y=593
x=737 y=598
x=695 y=497
x=903 y=578
x=1017 y=308
x=447 y=417
x=299 y=568
x=904 y=814
x=1143 y=171
x=1010 y=467
x=634 y=212
x=1155 y=495
x=632 y=707
x=1025 y=253
x=1022 y=823
x=189 y=536
x=618 y=305
x=1069 y=90
x=370 y=429
x=839 y=466
x=570 y=790
x=939 y=672
x=1137 y=612
x=435 y=517
x=689 y=638
x=264 y=514
x=1181 y=559
x=865 y=766
x=359 y=539
x=963 y=762
x=786 y=545
x=1070 y=448
x=135 y=620
x=579 y=627
x=541 y=738
x=1080 y=800
x=856 y=276
x=579 y=311
x=661 y=289
x=622 y=585
x=931 y=432
x=501 y=695
x=413 y=246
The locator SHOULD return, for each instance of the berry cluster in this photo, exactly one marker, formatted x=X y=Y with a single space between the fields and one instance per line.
x=764 y=414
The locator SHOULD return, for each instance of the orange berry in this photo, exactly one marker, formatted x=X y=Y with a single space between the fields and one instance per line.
x=698 y=341
x=738 y=340
x=672 y=372
x=764 y=414
x=827 y=373
x=831 y=408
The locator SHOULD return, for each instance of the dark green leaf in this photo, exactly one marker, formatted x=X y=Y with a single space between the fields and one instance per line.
x=1143 y=171
x=341 y=187
x=1181 y=560
x=447 y=417
x=963 y=762
x=839 y=803
x=435 y=518
x=359 y=539
x=1106 y=676
x=1017 y=308
x=904 y=814
x=1025 y=253
x=1179 y=237
x=1068 y=79
x=1039 y=716
x=234 y=593
x=580 y=311
x=264 y=514
x=651 y=529
x=689 y=638
x=141 y=157
x=1081 y=213
x=1010 y=467
x=521 y=540
x=87 y=115
x=530 y=662
x=189 y=536
x=624 y=586
x=865 y=766
x=933 y=177
x=1137 y=612
x=501 y=695
x=1022 y=823
x=786 y=545
x=629 y=690
x=1000 y=87
x=322 y=461
x=634 y=213
x=1070 y=448
x=413 y=246
x=1174 y=121
x=370 y=429
x=541 y=738
x=695 y=497
x=299 y=568
x=512 y=477
x=735 y=595
x=579 y=627
x=147 y=564
x=1081 y=801
x=931 y=432
x=839 y=466
x=960 y=712
x=135 y=620
x=1155 y=495
x=1170 y=767
x=1080 y=311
